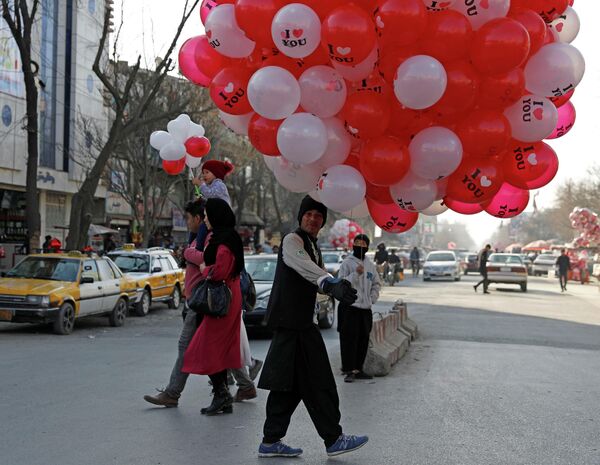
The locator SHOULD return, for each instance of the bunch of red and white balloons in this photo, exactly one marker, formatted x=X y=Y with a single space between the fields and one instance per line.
x=586 y=222
x=182 y=144
x=395 y=107
x=343 y=232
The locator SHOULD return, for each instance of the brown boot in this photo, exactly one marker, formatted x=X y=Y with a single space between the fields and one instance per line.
x=162 y=399
x=245 y=394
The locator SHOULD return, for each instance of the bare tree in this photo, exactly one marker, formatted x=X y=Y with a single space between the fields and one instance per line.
x=129 y=115
x=20 y=16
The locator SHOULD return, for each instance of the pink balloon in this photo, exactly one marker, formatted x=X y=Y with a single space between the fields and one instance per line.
x=206 y=7
x=566 y=120
x=463 y=208
x=391 y=218
x=187 y=63
x=508 y=202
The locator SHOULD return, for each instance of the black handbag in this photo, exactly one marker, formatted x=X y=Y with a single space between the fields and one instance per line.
x=211 y=298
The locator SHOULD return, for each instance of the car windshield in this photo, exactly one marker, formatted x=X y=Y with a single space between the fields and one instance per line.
x=261 y=270
x=441 y=257
x=131 y=263
x=331 y=258
x=506 y=259
x=51 y=268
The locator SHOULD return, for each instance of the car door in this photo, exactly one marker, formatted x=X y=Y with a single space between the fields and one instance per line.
x=90 y=294
x=169 y=273
x=111 y=285
x=158 y=278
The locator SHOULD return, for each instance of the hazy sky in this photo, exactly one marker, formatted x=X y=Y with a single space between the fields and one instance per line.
x=149 y=26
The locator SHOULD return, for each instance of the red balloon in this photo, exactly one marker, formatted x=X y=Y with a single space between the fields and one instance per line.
x=400 y=22
x=187 y=62
x=535 y=25
x=254 y=17
x=475 y=181
x=209 y=61
x=384 y=161
x=499 y=46
x=461 y=91
x=392 y=57
x=197 y=146
x=293 y=65
x=549 y=10
x=262 y=133
x=374 y=83
x=348 y=35
x=447 y=36
x=508 y=202
x=406 y=123
x=174 y=167
x=391 y=218
x=366 y=115
x=484 y=133
x=353 y=160
x=318 y=57
x=560 y=99
x=379 y=194
x=461 y=207
x=502 y=90
x=530 y=166
x=228 y=90
x=322 y=7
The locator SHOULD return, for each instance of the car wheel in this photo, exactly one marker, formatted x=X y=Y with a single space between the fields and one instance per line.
x=457 y=278
x=524 y=287
x=142 y=308
x=426 y=279
x=326 y=321
x=175 y=298
x=65 y=321
x=118 y=314
x=466 y=272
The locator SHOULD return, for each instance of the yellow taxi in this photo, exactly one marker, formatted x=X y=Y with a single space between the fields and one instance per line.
x=59 y=288
x=158 y=276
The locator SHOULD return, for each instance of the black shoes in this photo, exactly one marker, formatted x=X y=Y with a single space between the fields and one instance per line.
x=222 y=402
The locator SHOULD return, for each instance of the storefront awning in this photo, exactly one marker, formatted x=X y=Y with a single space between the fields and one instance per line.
x=97 y=230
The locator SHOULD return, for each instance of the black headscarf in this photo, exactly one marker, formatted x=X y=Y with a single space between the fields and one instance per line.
x=308 y=203
x=222 y=221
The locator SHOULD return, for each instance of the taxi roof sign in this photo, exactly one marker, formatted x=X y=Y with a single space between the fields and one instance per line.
x=128 y=246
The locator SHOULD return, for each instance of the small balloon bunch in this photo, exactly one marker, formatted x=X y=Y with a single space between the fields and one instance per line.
x=182 y=144
x=587 y=223
x=343 y=232
x=395 y=107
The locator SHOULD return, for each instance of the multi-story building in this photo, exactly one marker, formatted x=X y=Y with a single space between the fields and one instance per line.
x=65 y=43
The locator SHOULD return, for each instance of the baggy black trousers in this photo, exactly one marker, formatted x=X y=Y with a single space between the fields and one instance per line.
x=354 y=326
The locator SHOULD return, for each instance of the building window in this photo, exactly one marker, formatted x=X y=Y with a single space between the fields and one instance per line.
x=6 y=115
x=55 y=214
x=90 y=83
x=92 y=6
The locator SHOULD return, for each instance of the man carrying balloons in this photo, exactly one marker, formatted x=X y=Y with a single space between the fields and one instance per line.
x=297 y=367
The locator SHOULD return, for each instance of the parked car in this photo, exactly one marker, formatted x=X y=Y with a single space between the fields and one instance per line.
x=470 y=263
x=60 y=288
x=506 y=268
x=544 y=263
x=332 y=261
x=441 y=265
x=157 y=274
x=262 y=269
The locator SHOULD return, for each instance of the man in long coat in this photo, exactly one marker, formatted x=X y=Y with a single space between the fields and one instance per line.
x=297 y=367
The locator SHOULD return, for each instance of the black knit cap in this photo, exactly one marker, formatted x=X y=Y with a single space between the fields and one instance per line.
x=363 y=237
x=308 y=203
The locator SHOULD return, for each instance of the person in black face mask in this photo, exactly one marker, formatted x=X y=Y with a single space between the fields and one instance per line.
x=355 y=321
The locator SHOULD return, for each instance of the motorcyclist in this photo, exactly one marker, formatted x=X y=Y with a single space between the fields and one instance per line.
x=415 y=261
x=381 y=259
x=394 y=265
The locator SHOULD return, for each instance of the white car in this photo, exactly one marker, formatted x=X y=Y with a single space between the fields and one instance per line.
x=504 y=268
x=441 y=265
x=544 y=263
x=332 y=261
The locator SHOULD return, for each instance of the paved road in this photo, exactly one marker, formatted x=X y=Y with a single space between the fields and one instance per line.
x=506 y=378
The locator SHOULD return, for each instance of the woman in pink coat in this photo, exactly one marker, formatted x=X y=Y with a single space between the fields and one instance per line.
x=215 y=347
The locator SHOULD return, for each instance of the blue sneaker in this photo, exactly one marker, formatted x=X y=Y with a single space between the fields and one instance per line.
x=279 y=449
x=346 y=443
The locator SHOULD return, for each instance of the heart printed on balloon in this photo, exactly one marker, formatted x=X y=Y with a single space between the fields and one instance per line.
x=476 y=180
x=530 y=166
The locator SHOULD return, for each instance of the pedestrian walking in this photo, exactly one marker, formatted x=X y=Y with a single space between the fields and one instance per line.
x=564 y=266
x=355 y=321
x=484 y=255
x=297 y=367
x=194 y=259
x=216 y=345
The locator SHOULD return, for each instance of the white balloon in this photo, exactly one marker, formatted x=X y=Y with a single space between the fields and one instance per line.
x=360 y=211
x=296 y=30
x=296 y=178
x=193 y=162
x=414 y=193
x=274 y=92
x=195 y=130
x=315 y=195
x=323 y=91
x=173 y=151
x=342 y=188
x=435 y=153
x=420 y=82
x=361 y=70
x=566 y=27
x=338 y=146
x=238 y=124
x=478 y=13
x=554 y=67
x=302 y=138
x=158 y=139
x=271 y=162
x=532 y=118
x=179 y=127
x=224 y=34
x=435 y=209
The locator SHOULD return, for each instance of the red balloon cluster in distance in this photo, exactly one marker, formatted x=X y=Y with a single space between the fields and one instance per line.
x=390 y=108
